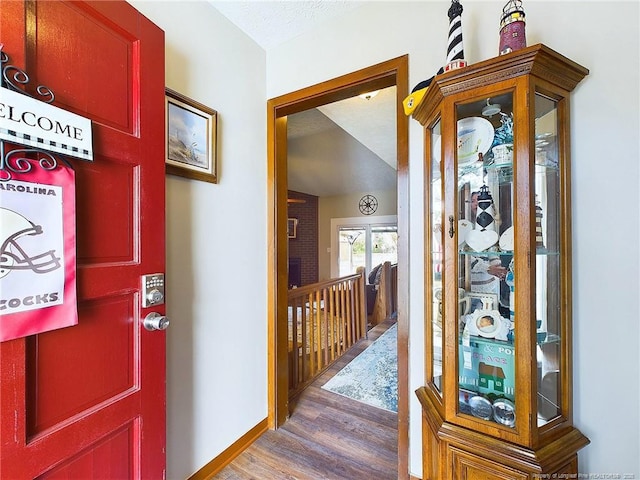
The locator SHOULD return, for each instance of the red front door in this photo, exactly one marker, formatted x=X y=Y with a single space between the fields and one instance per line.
x=88 y=401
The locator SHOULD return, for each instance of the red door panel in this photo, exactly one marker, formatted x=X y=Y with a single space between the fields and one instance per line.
x=106 y=185
x=88 y=401
x=79 y=378
x=58 y=43
x=110 y=458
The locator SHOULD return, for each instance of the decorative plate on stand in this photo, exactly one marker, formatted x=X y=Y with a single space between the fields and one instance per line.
x=475 y=136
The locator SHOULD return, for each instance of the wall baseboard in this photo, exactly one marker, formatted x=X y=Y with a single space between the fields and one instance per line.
x=226 y=457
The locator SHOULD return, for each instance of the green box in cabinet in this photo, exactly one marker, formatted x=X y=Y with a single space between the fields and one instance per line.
x=487 y=366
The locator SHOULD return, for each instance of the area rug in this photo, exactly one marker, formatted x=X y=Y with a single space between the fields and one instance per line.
x=371 y=377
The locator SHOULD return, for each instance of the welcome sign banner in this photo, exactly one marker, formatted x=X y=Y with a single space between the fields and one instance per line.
x=27 y=121
x=37 y=252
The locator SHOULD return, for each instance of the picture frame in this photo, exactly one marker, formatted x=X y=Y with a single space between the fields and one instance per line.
x=476 y=300
x=292 y=228
x=191 y=138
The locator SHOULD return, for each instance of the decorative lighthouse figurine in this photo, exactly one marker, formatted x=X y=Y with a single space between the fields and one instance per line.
x=539 y=236
x=485 y=216
x=512 y=34
x=455 y=50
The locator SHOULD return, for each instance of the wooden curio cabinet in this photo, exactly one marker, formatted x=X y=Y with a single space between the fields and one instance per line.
x=497 y=399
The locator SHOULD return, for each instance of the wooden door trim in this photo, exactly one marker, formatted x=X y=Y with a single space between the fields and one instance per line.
x=385 y=74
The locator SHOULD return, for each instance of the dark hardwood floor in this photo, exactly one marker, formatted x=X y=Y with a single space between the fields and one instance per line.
x=327 y=437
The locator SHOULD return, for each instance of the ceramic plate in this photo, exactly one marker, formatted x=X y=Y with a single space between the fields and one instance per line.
x=436 y=149
x=475 y=135
x=506 y=240
x=548 y=395
x=479 y=240
x=464 y=227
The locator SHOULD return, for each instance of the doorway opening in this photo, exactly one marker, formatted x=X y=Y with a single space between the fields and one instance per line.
x=380 y=76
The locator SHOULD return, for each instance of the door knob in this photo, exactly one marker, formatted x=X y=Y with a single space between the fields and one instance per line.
x=155 y=321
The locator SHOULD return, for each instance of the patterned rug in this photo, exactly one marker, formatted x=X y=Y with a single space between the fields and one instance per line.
x=371 y=377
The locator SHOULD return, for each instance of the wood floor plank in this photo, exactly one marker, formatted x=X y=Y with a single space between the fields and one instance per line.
x=327 y=437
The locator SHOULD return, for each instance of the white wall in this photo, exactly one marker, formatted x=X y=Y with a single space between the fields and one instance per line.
x=216 y=242
x=602 y=36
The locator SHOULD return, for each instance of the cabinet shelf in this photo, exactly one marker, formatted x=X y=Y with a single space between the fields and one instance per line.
x=503 y=172
x=550 y=338
x=545 y=338
x=471 y=253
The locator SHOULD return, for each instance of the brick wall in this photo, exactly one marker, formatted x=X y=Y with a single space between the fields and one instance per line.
x=305 y=245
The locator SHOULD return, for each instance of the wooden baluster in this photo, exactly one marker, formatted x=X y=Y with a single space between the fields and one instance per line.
x=325 y=323
x=363 y=306
x=303 y=354
x=339 y=322
x=295 y=354
x=336 y=304
x=332 y=315
x=345 y=323
x=308 y=345
x=361 y=302
x=356 y=309
x=347 y=298
x=317 y=340
x=336 y=292
x=347 y=295
x=394 y=289
x=292 y=347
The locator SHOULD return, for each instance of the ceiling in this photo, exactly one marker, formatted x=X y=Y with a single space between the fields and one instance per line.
x=344 y=147
x=270 y=23
x=339 y=148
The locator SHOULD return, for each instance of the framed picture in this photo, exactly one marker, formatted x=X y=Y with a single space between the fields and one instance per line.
x=191 y=138
x=477 y=299
x=292 y=227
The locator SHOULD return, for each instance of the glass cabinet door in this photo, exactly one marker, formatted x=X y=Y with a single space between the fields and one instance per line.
x=485 y=275
x=548 y=259
x=436 y=216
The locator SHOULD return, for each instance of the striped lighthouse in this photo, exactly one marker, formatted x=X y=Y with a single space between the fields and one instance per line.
x=455 y=50
x=539 y=236
x=485 y=215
